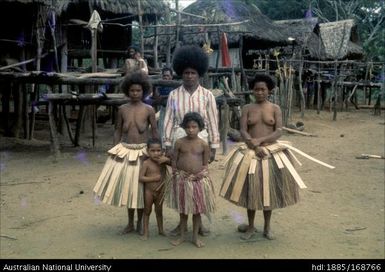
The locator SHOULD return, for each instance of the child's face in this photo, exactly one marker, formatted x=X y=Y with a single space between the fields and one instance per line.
x=260 y=91
x=135 y=92
x=154 y=151
x=192 y=129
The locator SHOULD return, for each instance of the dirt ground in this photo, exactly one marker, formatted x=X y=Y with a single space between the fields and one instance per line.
x=48 y=209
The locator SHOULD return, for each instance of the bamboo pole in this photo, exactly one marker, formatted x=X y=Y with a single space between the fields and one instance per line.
x=302 y=96
x=177 y=33
x=156 y=64
x=140 y=16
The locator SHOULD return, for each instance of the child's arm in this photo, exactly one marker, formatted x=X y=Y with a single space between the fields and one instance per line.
x=164 y=160
x=142 y=175
x=118 y=127
x=206 y=154
x=175 y=156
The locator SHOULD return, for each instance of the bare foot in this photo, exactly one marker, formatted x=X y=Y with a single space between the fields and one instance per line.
x=127 y=229
x=139 y=228
x=244 y=227
x=198 y=243
x=177 y=242
x=203 y=231
x=144 y=237
x=248 y=234
x=268 y=236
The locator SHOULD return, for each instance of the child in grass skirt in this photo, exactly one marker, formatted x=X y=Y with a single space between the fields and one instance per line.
x=192 y=191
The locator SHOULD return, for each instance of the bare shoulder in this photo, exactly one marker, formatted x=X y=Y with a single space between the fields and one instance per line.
x=149 y=108
x=178 y=142
x=275 y=106
x=247 y=107
x=124 y=107
x=146 y=163
x=203 y=142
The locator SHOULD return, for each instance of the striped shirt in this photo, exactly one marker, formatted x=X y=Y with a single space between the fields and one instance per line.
x=181 y=102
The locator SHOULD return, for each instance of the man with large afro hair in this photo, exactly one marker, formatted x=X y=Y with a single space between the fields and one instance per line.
x=190 y=56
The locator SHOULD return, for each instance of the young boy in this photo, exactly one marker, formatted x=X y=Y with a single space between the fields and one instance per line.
x=152 y=174
x=118 y=184
x=192 y=191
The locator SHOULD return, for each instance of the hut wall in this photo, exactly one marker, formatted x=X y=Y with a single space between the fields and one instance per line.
x=234 y=56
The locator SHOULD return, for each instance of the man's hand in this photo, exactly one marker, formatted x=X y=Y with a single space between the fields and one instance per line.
x=212 y=155
x=169 y=152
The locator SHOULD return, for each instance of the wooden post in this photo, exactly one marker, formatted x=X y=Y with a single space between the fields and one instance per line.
x=54 y=138
x=25 y=111
x=177 y=24
x=226 y=123
x=169 y=34
x=94 y=50
x=156 y=64
x=302 y=96
x=5 y=100
x=244 y=76
x=18 y=107
x=140 y=17
x=335 y=91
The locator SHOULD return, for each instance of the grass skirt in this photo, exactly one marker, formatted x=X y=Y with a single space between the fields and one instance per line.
x=261 y=184
x=118 y=184
x=189 y=194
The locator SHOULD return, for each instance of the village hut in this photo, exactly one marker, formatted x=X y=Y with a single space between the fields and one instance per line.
x=19 y=20
x=247 y=30
x=117 y=18
x=48 y=25
x=335 y=40
x=299 y=32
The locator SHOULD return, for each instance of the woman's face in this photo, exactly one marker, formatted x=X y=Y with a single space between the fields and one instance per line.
x=135 y=92
x=190 y=77
x=260 y=91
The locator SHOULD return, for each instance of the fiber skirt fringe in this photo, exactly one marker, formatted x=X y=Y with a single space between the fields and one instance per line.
x=118 y=184
x=261 y=184
x=191 y=194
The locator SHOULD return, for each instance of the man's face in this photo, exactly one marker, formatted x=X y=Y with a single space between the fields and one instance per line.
x=190 y=77
x=166 y=75
x=131 y=52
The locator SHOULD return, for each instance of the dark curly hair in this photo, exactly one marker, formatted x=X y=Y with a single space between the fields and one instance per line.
x=190 y=56
x=139 y=78
x=153 y=141
x=270 y=83
x=193 y=116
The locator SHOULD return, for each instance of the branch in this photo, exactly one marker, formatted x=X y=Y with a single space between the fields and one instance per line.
x=374 y=31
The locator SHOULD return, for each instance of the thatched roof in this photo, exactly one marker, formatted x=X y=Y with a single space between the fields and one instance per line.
x=339 y=40
x=258 y=27
x=299 y=29
x=117 y=6
x=44 y=2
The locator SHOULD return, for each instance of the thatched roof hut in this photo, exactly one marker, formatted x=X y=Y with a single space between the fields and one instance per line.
x=117 y=13
x=335 y=40
x=258 y=27
x=299 y=29
x=25 y=17
x=239 y=20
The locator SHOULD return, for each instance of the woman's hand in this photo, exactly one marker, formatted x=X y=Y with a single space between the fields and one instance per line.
x=259 y=151
x=252 y=143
